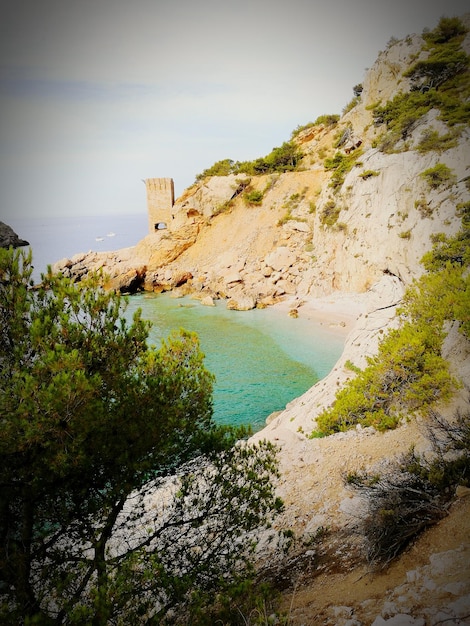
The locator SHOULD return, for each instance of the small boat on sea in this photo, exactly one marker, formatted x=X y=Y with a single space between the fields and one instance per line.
x=99 y=238
x=111 y=234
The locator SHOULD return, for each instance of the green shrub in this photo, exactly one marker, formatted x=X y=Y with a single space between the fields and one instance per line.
x=438 y=175
x=432 y=141
x=220 y=168
x=253 y=197
x=412 y=493
x=330 y=213
x=442 y=65
x=351 y=104
x=300 y=128
x=447 y=29
x=403 y=112
x=350 y=366
x=284 y=219
x=368 y=174
x=447 y=286
x=406 y=375
x=340 y=164
x=285 y=158
x=328 y=120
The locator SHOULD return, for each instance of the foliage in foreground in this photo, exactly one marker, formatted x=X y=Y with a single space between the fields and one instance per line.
x=409 y=374
x=411 y=494
x=120 y=499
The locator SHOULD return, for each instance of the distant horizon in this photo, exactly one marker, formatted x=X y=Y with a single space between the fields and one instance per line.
x=85 y=216
x=51 y=238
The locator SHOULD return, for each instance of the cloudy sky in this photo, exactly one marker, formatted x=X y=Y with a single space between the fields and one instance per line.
x=96 y=95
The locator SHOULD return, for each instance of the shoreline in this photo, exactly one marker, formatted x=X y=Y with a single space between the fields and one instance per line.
x=359 y=319
x=338 y=312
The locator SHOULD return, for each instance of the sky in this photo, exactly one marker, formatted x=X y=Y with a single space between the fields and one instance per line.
x=98 y=95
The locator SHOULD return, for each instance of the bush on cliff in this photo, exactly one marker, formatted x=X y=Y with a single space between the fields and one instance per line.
x=406 y=375
x=285 y=158
x=119 y=497
x=409 y=374
x=410 y=494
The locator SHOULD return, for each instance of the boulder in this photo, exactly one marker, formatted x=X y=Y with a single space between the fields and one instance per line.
x=280 y=259
x=232 y=276
x=241 y=301
x=160 y=249
x=129 y=282
x=208 y=301
x=285 y=286
x=8 y=237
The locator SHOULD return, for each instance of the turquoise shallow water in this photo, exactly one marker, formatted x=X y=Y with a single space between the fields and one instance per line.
x=262 y=359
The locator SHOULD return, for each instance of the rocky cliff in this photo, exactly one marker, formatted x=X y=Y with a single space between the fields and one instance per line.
x=349 y=225
x=315 y=230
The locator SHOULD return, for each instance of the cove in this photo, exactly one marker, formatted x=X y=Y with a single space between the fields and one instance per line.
x=262 y=359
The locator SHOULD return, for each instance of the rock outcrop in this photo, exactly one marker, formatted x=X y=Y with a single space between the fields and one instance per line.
x=8 y=237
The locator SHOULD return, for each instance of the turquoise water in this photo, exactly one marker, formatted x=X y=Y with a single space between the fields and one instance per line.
x=262 y=359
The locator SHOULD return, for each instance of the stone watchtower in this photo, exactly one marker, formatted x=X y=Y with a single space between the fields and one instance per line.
x=160 y=200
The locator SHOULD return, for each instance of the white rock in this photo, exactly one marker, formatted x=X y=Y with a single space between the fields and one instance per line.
x=208 y=301
x=461 y=607
x=280 y=259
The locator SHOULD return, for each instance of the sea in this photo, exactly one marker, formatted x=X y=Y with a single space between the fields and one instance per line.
x=56 y=238
x=262 y=359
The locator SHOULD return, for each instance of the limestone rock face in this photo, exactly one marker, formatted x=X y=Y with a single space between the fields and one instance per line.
x=8 y=237
x=206 y=199
x=386 y=222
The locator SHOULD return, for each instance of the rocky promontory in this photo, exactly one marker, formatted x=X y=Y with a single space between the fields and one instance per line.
x=8 y=237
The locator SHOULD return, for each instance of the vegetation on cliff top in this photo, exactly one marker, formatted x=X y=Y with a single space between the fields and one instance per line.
x=440 y=81
x=285 y=158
